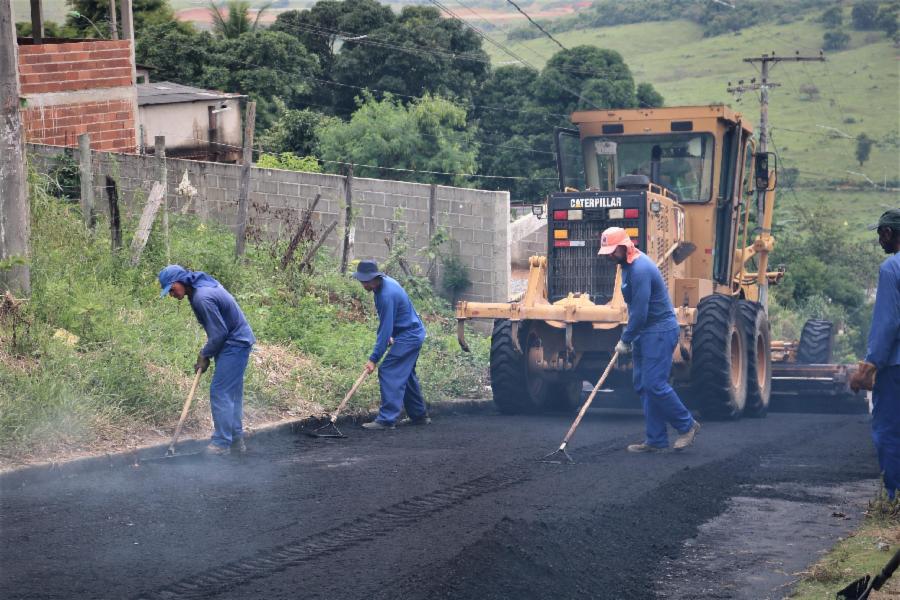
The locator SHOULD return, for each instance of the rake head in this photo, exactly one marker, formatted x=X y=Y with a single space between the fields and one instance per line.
x=558 y=457
x=328 y=430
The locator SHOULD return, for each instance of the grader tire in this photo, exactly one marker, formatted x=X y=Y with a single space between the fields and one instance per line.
x=508 y=372
x=564 y=397
x=816 y=342
x=719 y=359
x=755 y=324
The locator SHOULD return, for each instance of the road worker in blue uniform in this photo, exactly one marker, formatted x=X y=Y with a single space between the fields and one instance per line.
x=229 y=340
x=400 y=328
x=880 y=372
x=651 y=335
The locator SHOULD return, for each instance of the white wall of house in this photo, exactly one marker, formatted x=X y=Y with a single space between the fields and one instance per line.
x=186 y=124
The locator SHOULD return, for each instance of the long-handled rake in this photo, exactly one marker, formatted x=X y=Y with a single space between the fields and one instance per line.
x=330 y=429
x=561 y=456
x=184 y=412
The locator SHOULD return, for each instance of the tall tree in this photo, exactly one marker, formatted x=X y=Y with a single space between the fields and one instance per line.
x=235 y=19
x=419 y=52
x=864 y=15
x=426 y=135
x=863 y=148
x=176 y=51
x=585 y=77
x=89 y=16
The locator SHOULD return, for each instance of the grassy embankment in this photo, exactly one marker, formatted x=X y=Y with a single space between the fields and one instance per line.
x=866 y=551
x=100 y=362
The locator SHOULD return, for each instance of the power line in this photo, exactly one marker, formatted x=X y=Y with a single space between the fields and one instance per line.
x=536 y=24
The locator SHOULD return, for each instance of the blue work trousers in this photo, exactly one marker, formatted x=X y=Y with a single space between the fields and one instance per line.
x=886 y=425
x=226 y=394
x=399 y=384
x=652 y=365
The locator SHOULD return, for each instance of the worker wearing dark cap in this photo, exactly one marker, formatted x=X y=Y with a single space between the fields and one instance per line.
x=400 y=327
x=229 y=340
x=880 y=372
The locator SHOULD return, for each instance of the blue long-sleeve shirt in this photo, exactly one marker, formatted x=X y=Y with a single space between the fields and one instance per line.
x=219 y=314
x=397 y=318
x=884 y=336
x=649 y=306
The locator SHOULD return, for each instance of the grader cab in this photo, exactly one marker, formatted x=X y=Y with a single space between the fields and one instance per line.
x=680 y=181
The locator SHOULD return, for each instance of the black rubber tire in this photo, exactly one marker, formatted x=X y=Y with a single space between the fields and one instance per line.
x=509 y=373
x=755 y=324
x=718 y=368
x=564 y=397
x=816 y=342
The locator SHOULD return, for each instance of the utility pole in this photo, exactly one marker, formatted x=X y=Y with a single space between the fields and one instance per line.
x=244 y=188
x=14 y=213
x=765 y=62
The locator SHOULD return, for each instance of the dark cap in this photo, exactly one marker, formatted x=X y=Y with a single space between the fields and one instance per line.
x=890 y=218
x=367 y=270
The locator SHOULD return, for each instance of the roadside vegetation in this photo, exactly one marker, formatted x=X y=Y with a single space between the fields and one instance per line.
x=866 y=551
x=96 y=360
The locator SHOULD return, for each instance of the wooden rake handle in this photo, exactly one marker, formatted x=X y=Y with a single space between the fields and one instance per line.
x=184 y=411
x=349 y=395
x=587 y=403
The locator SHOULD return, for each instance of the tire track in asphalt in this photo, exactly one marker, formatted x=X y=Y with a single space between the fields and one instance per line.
x=360 y=530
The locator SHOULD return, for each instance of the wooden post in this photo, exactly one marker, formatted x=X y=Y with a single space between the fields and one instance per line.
x=244 y=191
x=146 y=223
x=432 y=229
x=113 y=25
x=115 y=225
x=37 y=22
x=348 y=218
x=14 y=213
x=128 y=32
x=162 y=175
x=86 y=174
x=295 y=241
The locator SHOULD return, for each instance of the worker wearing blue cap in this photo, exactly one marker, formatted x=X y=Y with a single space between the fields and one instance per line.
x=400 y=327
x=880 y=372
x=229 y=340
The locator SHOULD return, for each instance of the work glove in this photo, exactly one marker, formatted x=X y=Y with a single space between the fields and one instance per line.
x=202 y=364
x=864 y=377
x=623 y=347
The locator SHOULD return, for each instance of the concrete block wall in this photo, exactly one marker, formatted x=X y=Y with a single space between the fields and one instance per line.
x=530 y=245
x=477 y=221
x=78 y=87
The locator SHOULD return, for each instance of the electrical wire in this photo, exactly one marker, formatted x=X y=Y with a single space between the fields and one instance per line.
x=536 y=24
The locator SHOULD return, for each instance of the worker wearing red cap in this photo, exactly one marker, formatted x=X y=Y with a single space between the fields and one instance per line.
x=650 y=335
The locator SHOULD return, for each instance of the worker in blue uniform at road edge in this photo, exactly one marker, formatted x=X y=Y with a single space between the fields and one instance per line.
x=651 y=335
x=229 y=341
x=880 y=372
x=400 y=328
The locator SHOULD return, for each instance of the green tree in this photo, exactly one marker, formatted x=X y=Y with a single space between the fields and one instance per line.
x=294 y=130
x=864 y=15
x=321 y=27
x=235 y=19
x=425 y=135
x=176 y=51
x=863 y=148
x=265 y=65
x=887 y=19
x=833 y=17
x=146 y=13
x=648 y=97
x=835 y=40
x=585 y=77
x=392 y=58
x=516 y=135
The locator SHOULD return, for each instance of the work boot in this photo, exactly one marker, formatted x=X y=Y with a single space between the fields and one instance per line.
x=215 y=450
x=378 y=425
x=420 y=420
x=239 y=446
x=644 y=447
x=686 y=439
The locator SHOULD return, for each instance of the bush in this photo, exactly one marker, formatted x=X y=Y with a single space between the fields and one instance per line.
x=835 y=40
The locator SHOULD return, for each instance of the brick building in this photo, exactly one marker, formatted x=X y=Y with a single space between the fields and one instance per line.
x=70 y=87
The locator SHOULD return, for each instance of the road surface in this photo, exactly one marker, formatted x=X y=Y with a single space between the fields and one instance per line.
x=457 y=509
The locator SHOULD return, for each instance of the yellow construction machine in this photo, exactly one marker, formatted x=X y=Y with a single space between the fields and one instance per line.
x=681 y=182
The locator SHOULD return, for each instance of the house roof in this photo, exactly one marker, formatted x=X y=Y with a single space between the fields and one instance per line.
x=166 y=92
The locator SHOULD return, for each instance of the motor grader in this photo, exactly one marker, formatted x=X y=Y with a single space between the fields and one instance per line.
x=681 y=182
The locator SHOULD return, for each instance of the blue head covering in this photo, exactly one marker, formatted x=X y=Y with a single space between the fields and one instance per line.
x=173 y=273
